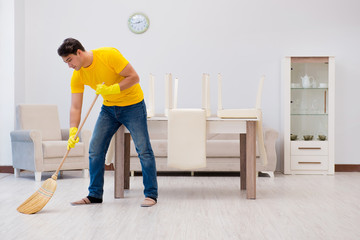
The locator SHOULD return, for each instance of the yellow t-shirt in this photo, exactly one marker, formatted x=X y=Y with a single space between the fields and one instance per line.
x=106 y=66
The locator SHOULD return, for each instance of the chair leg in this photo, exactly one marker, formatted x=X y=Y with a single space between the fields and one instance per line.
x=37 y=176
x=17 y=172
x=85 y=173
x=271 y=173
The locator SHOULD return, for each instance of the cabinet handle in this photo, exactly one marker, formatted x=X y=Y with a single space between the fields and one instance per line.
x=309 y=162
x=325 y=101
x=309 y=148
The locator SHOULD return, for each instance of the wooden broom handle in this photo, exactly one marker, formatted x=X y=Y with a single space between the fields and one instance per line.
x=54 y=176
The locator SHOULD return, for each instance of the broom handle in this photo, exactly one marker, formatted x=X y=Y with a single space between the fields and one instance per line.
x=77 y=133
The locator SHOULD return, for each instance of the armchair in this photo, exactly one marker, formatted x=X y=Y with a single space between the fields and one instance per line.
x=39 y=145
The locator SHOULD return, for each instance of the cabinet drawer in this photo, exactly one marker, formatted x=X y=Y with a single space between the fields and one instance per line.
x=309 y=163
x=309 y=148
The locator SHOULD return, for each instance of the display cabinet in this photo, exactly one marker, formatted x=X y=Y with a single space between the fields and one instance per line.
x=309 y=87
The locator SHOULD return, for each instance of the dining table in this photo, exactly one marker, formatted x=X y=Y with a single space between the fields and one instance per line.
x=244 y=127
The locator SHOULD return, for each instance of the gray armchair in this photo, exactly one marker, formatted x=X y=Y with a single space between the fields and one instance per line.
x=39 y=145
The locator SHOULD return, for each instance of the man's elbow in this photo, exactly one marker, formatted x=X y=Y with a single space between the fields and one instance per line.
x=75 y=110
x=136 y=79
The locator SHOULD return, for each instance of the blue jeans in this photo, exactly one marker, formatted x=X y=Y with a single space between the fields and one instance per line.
x=110 y=119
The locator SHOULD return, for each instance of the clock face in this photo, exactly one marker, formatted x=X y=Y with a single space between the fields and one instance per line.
x=138 y=23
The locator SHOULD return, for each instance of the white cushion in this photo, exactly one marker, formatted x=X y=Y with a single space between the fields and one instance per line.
x=56 y=149
x=187 y=138
x=40 y=117
x=214 y=148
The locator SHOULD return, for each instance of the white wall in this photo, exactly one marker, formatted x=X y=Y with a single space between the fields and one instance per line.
x=6 y=79
x=238 y=38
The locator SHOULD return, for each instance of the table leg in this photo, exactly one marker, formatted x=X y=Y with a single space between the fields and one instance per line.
x=119 y=163
x=127 y=161
x=242 y=161
x=251 y=159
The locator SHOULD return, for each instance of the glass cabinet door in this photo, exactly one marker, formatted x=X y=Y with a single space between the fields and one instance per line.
x=309 y=98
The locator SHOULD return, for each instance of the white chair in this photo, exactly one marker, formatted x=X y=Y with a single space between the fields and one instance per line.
x=250 y=113
x=39 y=145
x=186 y=136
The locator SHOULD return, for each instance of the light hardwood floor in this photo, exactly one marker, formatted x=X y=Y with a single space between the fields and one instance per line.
x=287 y=207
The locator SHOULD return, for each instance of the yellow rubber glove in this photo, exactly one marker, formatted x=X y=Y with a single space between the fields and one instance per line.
x=72 y=141
x=107 y=90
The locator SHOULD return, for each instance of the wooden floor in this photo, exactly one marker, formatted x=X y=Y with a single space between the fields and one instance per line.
x=287 y=207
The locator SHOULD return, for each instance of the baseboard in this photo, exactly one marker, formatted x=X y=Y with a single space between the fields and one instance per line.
x=10 y=169
x=338 y=168
x=192 y=173
x=347 y=167
x=6 y=169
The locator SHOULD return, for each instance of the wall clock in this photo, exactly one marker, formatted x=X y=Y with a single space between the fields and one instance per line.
x=138 y=23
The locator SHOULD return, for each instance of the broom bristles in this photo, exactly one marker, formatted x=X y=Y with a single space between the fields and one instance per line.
x=39 y=199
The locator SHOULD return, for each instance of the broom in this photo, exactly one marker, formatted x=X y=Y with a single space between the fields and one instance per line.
x=41 y=197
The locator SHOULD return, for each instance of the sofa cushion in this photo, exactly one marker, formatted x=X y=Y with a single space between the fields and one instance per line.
x=55 y=149
x=223 y=136
x=223 y=148
x=159 y=147
x=214 y=148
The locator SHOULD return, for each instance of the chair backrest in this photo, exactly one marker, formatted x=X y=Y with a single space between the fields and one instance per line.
x=176 y=93
x=40 y=117
x=259 y=93
x=258 y=96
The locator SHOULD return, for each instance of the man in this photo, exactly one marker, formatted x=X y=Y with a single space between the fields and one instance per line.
x=123 y=104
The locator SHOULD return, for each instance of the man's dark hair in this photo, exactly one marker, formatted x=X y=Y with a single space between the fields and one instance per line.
x=70 y=46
